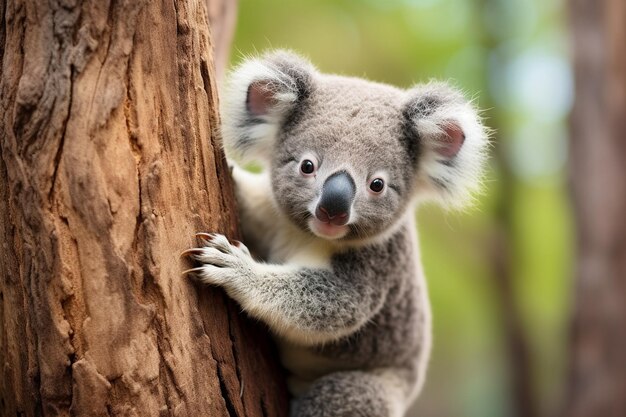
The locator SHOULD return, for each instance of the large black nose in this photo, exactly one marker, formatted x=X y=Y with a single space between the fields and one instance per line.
x=337 y=195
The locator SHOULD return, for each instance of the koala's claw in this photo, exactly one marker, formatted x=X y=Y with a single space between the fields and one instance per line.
x=241 y=246
x=192 y=271
x=221 y=260
x=190 y=252
x=205 y=236
x=221 y=243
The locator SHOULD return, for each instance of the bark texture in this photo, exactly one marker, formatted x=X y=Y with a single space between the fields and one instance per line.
x=597 y=383
x=110 y=164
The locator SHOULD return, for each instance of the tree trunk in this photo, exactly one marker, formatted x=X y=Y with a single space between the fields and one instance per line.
x=597 y=383
x=110 y=163
x=222 y=18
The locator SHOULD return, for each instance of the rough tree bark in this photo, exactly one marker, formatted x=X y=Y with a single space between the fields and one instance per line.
x=110 y=164
x=597 y=380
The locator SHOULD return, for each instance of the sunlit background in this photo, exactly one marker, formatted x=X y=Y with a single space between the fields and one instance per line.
x=499 y=275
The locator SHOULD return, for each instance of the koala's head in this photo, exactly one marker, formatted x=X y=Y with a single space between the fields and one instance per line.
x=347 y=156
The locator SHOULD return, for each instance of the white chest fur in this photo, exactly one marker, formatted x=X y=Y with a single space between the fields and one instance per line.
x=292 y=246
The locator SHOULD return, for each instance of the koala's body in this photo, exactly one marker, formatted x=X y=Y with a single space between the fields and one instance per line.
x=331 y=217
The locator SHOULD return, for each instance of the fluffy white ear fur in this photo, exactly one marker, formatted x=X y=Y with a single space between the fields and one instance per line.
x=453 y=143
x=258 y=96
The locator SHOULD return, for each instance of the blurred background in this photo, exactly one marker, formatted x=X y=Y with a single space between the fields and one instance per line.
x=501 y=275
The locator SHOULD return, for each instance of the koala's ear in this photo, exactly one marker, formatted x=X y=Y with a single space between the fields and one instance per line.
x=451 y=143
x=259 y=96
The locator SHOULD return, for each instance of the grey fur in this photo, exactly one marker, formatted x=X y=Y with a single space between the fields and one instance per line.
x=351 y=313
x=327 y=397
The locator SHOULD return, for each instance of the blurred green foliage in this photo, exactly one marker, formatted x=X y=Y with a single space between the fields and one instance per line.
x=511 y=56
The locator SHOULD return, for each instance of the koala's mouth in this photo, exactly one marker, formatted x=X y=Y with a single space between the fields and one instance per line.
x=327 y=230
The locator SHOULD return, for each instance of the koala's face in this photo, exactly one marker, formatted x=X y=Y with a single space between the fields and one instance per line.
x=341 y=167
x=348 y=156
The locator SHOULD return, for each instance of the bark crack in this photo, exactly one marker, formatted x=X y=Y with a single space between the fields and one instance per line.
x=235 y=353
x=224 y=391
x=264 y=410
x=59 y=153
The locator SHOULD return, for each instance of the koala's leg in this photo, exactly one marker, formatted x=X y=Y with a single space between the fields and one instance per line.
x=355 y=394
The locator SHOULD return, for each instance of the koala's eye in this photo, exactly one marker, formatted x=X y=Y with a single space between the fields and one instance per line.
x=307 y=167
x=377 y=185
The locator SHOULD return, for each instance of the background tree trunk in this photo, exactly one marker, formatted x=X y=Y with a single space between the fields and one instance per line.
x=516 y=343
x=222 y=19
x=597 y=384
x=110 y=164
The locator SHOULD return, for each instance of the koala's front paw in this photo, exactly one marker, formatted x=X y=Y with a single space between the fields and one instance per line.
x=222 y=262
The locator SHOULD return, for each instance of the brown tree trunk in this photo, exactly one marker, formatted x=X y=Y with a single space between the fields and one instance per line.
x=222 y=18
x=597 y=383
x=110 y=163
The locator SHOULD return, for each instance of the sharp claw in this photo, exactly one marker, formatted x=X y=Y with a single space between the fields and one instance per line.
x=192 y=271
x=192 y=251
x=206 y=236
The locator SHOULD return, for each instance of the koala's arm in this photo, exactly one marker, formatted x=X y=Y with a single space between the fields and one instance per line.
x=305 y=305
x=256 y=208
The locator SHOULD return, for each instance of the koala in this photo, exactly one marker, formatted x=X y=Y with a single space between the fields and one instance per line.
x=336 y=273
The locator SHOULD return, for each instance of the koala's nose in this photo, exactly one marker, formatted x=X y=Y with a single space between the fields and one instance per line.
x=337 y=195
